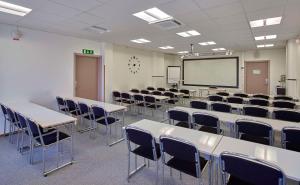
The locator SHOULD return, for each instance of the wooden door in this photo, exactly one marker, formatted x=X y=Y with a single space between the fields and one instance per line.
x=257 y=77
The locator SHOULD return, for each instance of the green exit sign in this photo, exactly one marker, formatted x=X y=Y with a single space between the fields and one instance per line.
x=88 y=51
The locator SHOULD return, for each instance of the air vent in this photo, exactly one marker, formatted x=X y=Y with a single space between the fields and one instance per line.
x=168 y=24
x=97 y=29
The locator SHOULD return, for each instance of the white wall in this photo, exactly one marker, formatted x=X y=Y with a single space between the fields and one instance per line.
x=293 y=67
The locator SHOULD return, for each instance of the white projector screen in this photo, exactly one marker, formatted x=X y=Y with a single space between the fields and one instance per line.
x=221 y=72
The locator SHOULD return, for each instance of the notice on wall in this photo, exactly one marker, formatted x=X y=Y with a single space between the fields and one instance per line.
x=256 y=71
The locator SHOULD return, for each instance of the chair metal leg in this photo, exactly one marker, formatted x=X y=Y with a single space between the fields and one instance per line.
x=4 y=131
x=180 y=175
x=171 y=174
x=157 y=167
x=44 y=165
x=128 y=166
x=163 y=173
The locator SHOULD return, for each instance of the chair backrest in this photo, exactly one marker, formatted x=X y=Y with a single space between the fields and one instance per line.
x=254 y=171
x=255 y=111
x=125 y=95
x=221 y=107
x=60 y=101
x=139 y=137
x=145 y=92
x=150 y=99
x=158 y=93
x=259 y=101
x=290 y=138
x=83 y=108
x=185 y=91
x=215 y=98
x=179 y=149
x=3 y=108
x=134 y=90
x=71 y=105
x=138 y=97
x=263 y=96
x=287 y=98
x=199 y=104
x=169 y=94
x=116 y=94
x=284 y=104
x=11 y=115
x=222 y=93
x=34 y=129
x=235 y=99
x=173 y=90
x=98 y=112
x=206 y=120
x=150 y=88
x=242 y=95
x=161 y=89
x=287 y=115
x=254 y=128
x=179 y=115
x=22 y=120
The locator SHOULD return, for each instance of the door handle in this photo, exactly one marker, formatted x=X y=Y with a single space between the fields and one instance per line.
x=266 y=81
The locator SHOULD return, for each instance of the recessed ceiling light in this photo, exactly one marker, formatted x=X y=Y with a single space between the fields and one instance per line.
x=152 y=15
x=140 y=41
x=269 y=45
x=182 y=52
x=260 y=38
x=260 y=46
x=265 y=45
x=190 y=33
x=14 y=9
x=207 y=43
x=166 y=47
x=219 y=49
x=271 y=37
x=273 y=21
x=265 y=22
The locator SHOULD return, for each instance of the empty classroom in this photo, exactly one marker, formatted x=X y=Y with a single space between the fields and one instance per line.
x=150 y=92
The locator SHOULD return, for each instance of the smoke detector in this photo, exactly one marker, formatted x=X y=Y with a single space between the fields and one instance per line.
x=97 y=29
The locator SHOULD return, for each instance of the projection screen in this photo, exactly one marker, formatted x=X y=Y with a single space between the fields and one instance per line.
x=221 y=72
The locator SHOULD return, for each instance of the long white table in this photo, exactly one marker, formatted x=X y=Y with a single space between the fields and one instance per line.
x=160 y=98
x=205 y=142
x=288 y=161
x=46 y=118
x=277 y=125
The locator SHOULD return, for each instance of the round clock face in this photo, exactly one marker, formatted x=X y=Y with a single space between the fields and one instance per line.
x=134 y=64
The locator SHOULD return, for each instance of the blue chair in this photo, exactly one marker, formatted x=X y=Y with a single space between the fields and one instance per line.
x=101 y=117
x=221 y=107
x=199 y=104
x=135 y=91
x=5 y=116
x=145 y=146
x=157 y=93
x=139 y=102
x=244 y=170
x=254 y=131
x=22 y=127
x=161 y=89
x=184 y=157
x=255 y=111
x=126 y=99
x=145 y=92
x=85 y=113
x=45 y=140
x=150 y=88
x=262 y=96
x=222 y=93
x=242 y=95
x=287 y=98
x=186 y=93
x=290 y=138
x=215 y=98
x=61 y=104
x=287 y=115
x=116 y=96
x=259 y=102
x=209 y=123
x=179 y=118
x=151 y=103
x=173 y=99
x=13 y=120
x=72 y=107
x=173 y=90
x=234 y=99
x=284 y=104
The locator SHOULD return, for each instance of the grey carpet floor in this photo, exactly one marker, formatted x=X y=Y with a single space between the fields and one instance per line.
x=95 y=164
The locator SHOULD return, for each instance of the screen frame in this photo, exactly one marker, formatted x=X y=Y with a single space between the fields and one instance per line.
x=215 y=85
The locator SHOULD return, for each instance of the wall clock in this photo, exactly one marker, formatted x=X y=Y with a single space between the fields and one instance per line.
x=134 y=65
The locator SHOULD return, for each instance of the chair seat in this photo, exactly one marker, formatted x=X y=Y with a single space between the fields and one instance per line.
x=147 y=152
x=75 y=112
x=255 y=139
x=52 y=138
x=89 y=117
x=294 y=147
x=43 y=132
x=128 y=101
x=186 y=166
x=110 y=120
x=171 y=101
x=182 y=124
x=64 y=109
x=236 y=181
x=212 y=130
x=140 y=104
x=152 y=106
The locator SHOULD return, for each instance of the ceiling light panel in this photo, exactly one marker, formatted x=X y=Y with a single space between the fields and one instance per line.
x=267 y=37
x=265 y=45
x=14 y=9
x=190 y=33
x=166 y=47
x=140 y=41
x=219 y=49
x=265 y=22
x=273 y=21
x=207 y=43
x=152 y=15
x=182 y=52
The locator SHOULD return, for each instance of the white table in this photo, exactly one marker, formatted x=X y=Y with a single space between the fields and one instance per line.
x=160 y=98
x=288 y=161
x=46 y=118
x=204 y=142
x=231 y=118
x=209 y=90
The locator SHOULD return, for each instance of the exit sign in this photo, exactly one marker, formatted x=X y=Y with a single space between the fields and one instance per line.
x=88 y=51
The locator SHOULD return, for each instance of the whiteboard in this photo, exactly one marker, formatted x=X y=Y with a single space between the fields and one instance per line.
x=173 y=74
x=222 y=72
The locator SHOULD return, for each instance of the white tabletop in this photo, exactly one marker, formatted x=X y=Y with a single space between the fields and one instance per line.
x=205 y=142
x=155 y=96
x=41 y=115
x=107 y=106
x=288 y=161
x=231 y=118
